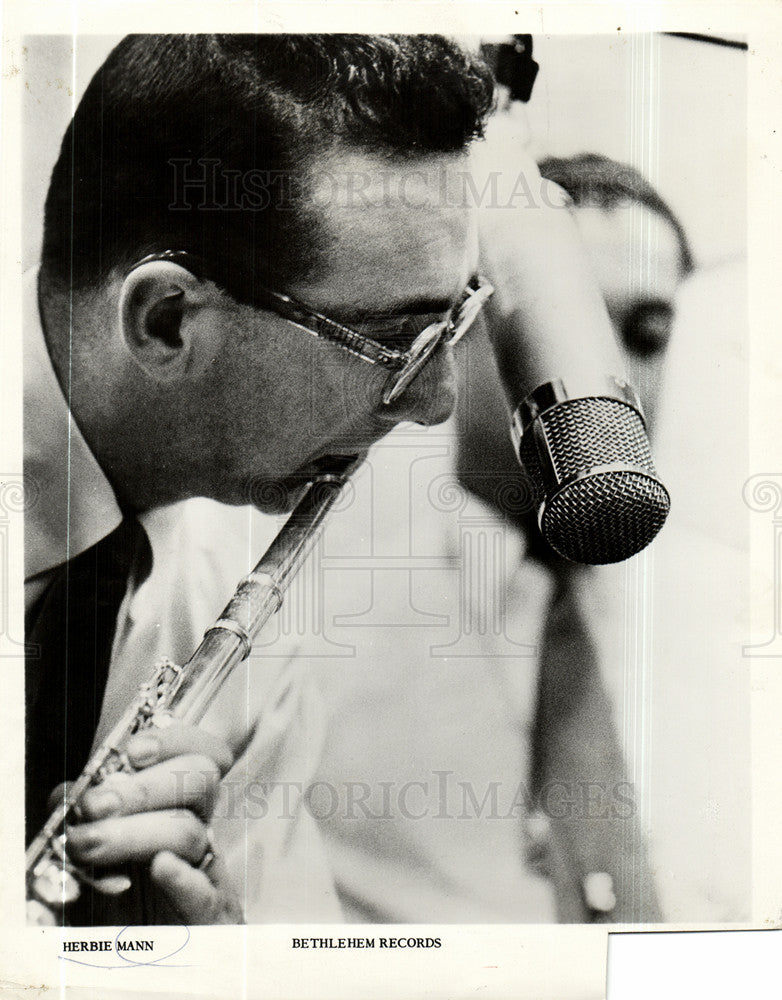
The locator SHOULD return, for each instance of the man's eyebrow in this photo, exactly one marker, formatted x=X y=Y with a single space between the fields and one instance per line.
x=422 y=306
x=419 y=306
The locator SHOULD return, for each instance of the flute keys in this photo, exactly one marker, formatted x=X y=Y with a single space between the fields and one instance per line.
x=56 y=886
x=59 y=885
x=57 y=880
x=39 y=915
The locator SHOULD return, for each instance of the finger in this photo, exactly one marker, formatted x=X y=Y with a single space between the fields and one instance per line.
x=120 y=839
x=189 y=890
x=157 y=744
x=190 y=781
x=197 y=898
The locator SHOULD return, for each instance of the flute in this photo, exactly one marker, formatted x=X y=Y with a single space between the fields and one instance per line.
x=180 y=693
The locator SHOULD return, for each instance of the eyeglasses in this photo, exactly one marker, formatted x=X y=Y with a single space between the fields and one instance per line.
x=405 y=363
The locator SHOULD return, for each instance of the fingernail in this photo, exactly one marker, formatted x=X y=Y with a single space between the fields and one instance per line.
x=599 y=892
x=143 y=750
x=102 y=802
x=81 y=840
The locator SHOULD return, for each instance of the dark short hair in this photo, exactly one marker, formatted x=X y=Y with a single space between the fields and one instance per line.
x=165 y=109
x=591 y=179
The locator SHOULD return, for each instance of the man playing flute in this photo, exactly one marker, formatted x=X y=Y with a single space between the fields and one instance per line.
x=244 y=237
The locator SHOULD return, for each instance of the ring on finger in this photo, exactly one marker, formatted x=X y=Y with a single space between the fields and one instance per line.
x=208 y=858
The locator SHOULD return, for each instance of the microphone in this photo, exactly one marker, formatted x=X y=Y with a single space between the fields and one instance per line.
x=579 y=431
x=587 y=454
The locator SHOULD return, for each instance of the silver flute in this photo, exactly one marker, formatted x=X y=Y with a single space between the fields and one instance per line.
x=181 y=693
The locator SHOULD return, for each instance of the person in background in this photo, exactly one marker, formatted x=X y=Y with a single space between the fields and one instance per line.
x=640 y=255
x=442 y=750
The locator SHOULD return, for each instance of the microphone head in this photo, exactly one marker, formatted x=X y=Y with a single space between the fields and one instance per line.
x=598 y=496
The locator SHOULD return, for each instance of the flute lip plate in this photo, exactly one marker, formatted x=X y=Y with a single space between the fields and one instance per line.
x=325 y=465
x=337 y=462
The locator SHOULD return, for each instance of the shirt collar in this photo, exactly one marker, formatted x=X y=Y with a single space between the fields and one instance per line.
x=71 y=503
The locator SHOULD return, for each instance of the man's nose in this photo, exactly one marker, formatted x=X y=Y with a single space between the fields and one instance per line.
x=430 y=398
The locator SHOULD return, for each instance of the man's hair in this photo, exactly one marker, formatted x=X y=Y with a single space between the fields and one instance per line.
x=181 y=140
x=591 y=179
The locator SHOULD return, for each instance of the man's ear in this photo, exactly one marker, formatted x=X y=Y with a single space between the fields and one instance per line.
x=158 y=307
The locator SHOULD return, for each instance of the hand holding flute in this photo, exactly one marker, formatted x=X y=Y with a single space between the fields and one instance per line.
x=155 y=817
x=130 y=802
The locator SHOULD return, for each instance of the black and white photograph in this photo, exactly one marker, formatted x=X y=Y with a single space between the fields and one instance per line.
x=390 y=547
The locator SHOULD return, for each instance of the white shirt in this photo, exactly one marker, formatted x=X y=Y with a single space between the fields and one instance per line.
x=430 y=686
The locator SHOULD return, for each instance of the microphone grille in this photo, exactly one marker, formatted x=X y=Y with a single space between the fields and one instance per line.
x=600 y=500
x=606 y=517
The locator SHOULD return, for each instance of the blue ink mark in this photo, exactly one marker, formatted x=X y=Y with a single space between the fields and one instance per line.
x=132 y=961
